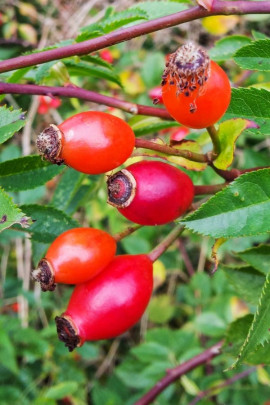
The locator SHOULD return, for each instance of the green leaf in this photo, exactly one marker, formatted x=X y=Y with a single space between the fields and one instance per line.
x=87 y=69
x=160 y=309
x=143 y=125
x=26 y=173
x=210 y=324
x=59 y=391
x=10 y=214
x=152 y=69
x=244 y=277
x=11 y=121
x=97 y=61
x=258 y=35
x=258 y=332
x=156 y=9
x=225 y=48
x=253 y=104
x=111 y=22
x=7 y=353
x=228 y=133
x=241 y=209
x=49 y=222
x=43 y=71
x=258 y=257
x=148 y=352
x=66 y=188
x=255 y=56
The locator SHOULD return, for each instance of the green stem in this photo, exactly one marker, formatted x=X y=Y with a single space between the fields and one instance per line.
x=128 y=231
x=214 y=137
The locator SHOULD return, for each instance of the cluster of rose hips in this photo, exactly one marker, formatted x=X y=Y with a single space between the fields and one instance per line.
x=112 y=292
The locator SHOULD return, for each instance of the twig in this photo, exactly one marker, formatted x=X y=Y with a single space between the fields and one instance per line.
x=128 y=231
x=174 y=373
x=186 y=258
x=125 y=34
x=163 y=246
x=230 y=175
x=169 y=150
x=209 y=189
x=82 y=94
x=224 y=384
x=108 y=359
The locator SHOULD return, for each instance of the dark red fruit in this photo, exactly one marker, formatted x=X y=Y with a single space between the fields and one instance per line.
x=150 y=192
x=108 y=305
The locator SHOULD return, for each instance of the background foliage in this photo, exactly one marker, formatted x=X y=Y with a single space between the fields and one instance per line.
x=190 y=310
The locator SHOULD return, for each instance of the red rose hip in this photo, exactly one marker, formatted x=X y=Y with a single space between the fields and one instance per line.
x=195 y=91
x=108 y=305
x=150 y=192
x=75 y=256
x=91 y=142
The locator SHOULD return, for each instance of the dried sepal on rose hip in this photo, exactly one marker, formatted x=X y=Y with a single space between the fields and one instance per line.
x=109 y=304
x=195 y=90
x=150 y=192
x=74 y=257
x=91 y=142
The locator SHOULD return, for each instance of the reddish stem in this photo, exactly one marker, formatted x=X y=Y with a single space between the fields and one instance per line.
x=126 y=232
x=169 y=150
x=224 y=384
x=124 y=34
x=209 y=189
x=174 y=373
x=230 y=175
x=163 y=246
x=82 y=94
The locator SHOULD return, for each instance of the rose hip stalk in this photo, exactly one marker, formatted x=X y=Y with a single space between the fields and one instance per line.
x=150 y=192
x=91 y=142
x=113 y=301
x=195 y=90
x=75 y=256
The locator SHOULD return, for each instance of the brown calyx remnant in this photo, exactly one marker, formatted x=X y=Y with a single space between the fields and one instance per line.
x=44 y=274
x=49 y=144
x=121 y=189
x=188 y=69
x=67 y=332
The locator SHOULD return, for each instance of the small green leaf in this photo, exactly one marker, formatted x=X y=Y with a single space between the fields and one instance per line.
x=66 y=188
x=11 y=121
x=255 y=56
x=228 y=133
x=96 y=60
x=61 y=390
x=258 y=333
x=49 y=222
x=253 y=104
x=242 y=278
x=225 y=48
x=210 y=324
x=258 y=35
x=258 y=257
x=156 y=9
x=241 y=209
x=143 y=125
x=87 y=69
x=160 y=309
x=7 y=353
x=26 y=173
x=10 y=214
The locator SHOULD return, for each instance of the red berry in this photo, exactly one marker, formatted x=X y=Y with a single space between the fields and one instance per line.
x=150 y=192
x=196 y=91
x=46 y=103
x=109 y=304
x=156 y=95
x=91 y=142
x=75 y=256
x=106 y=55
x=178 y=134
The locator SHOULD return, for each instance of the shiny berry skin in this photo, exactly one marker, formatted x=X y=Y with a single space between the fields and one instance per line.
x=195 y=91
x=91 y=142
x=150 y=192
x=46 y=103
x=74 y=257
x=110 y=304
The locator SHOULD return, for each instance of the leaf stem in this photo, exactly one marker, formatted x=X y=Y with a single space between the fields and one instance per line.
x=125 y=34
x=174 y=373
x=209 y=189
x=163 y=246
x=169 y=150
x=82 y=94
